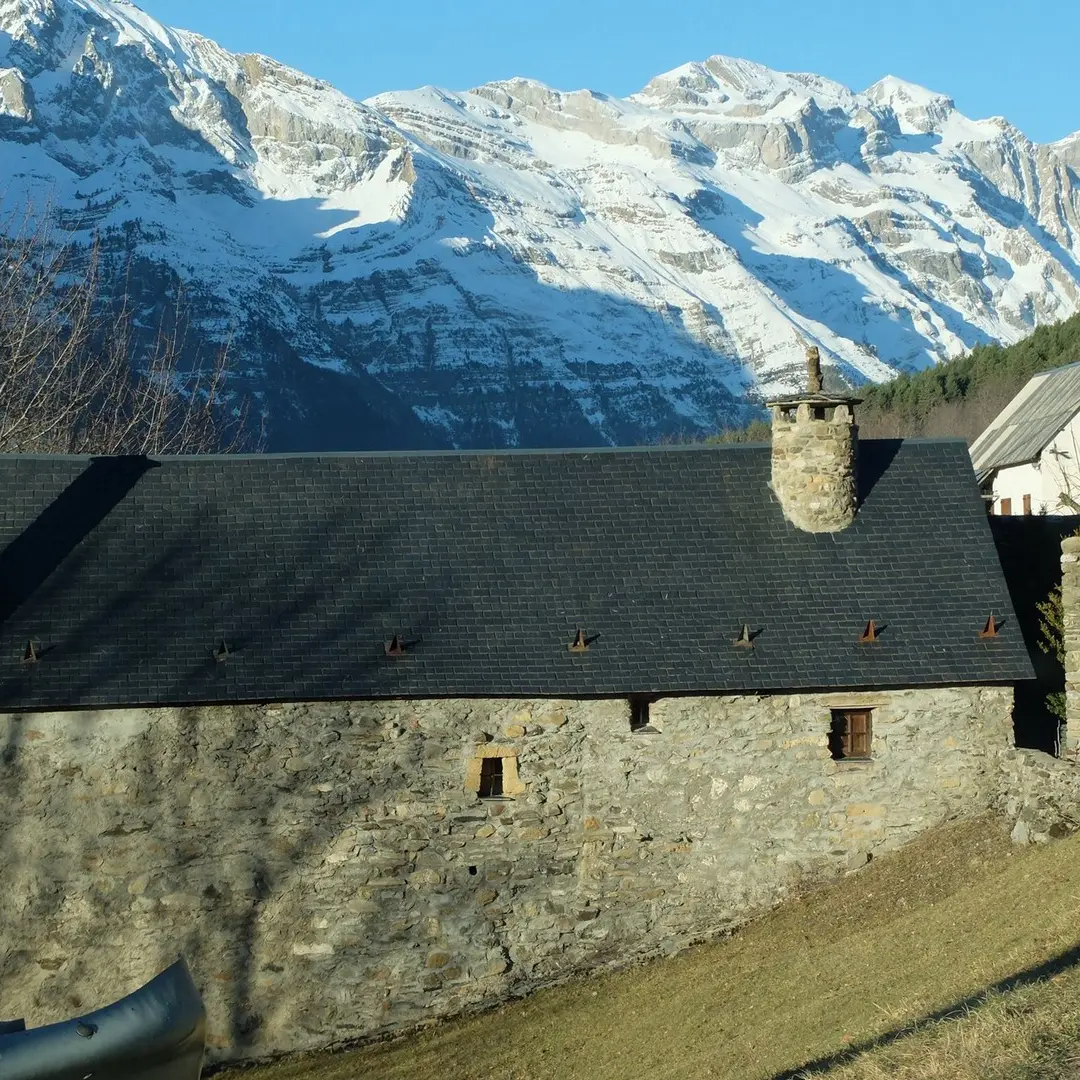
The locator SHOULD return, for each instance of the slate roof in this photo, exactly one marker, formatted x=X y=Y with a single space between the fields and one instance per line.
x=129 y=572
x=1028 y=424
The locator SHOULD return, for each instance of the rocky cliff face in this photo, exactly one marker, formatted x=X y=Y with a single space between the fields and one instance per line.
x=519 y=266
x=1069 y=149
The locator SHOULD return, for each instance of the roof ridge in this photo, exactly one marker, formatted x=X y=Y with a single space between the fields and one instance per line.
x=584 y=451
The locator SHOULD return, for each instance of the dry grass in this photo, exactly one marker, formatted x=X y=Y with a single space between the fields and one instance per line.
x=1029 y=1033
x=841 y=978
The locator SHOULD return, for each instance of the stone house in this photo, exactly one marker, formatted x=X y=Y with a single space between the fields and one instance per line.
x=378 y=738
x=1028 y=458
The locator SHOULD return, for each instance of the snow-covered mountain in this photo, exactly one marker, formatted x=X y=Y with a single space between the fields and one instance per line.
x=519 y=266
x=1069 y=149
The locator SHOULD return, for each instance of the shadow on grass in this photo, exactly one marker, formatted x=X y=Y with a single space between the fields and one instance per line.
x=1040 y=972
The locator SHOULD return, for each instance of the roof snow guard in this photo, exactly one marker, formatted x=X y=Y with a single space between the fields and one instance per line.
x=130 y=573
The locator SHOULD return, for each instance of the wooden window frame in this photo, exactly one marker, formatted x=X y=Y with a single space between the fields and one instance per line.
x=1005 y=508
x=851 y=734
x=491 y=778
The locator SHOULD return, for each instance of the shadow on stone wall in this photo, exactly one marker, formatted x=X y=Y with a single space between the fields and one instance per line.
x=226 y=906
x=155 y=805
x=1039 y=973
x=1030 y=553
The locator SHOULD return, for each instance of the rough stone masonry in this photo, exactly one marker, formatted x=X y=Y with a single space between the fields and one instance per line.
x=332 y=873
x=813 y=462
x=1070 y=608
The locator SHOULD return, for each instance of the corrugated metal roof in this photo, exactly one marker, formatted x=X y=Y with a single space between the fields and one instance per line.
x=1028 y=424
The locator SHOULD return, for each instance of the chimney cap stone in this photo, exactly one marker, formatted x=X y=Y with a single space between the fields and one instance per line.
x=812 y=399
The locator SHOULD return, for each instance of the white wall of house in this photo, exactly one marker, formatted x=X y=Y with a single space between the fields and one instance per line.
x=1054 y=473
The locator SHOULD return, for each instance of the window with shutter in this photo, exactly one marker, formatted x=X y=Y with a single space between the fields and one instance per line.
x=850 y=734
x=1005 y=507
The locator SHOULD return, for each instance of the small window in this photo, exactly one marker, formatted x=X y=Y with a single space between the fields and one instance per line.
x=492 y=772
x=819 y=412
x=1005 y=508
x=640 y=720
x=491 y=778
x=1027 y=504
x=849 y=735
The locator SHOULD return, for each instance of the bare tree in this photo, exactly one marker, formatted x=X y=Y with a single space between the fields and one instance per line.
x=1063 y=467
x=77 y=375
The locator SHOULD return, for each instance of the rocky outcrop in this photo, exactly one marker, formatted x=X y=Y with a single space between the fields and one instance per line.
x=1068 y=150
x=16 y=96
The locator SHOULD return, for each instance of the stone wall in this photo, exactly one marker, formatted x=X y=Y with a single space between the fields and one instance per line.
x=1040 y=796
x=1070 y=606
x=813 y=465
x=331 y=873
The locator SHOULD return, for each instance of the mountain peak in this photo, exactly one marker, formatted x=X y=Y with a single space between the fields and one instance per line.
x=915 y=106
x=893 y=85
x=518 y=265
x=1069 y=149
x=731 y=84
x=49 y=28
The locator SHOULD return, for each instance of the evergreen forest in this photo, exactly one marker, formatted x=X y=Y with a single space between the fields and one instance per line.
x=959 y=397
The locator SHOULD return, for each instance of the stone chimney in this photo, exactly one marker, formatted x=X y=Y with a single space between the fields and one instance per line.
x=1070 y=621
x=814 y=452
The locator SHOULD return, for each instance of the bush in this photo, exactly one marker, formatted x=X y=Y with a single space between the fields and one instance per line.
x=1052 y=642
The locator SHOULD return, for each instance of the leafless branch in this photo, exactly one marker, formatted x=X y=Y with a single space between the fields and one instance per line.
x=77 y=377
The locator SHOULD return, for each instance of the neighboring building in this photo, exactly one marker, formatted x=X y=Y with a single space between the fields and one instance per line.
x=1028 y=459
x=377 y=738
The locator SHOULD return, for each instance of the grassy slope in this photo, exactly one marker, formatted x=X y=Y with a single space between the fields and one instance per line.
x=822 y=979
x=1030 y=1033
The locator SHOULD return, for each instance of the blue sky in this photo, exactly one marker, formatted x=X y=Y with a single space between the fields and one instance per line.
x=989 y=58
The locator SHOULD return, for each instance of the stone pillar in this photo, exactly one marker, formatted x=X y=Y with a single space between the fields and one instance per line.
x=1070 y=611
x=813 y=463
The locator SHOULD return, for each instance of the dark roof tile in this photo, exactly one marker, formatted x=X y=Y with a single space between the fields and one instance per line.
x=131 y=572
